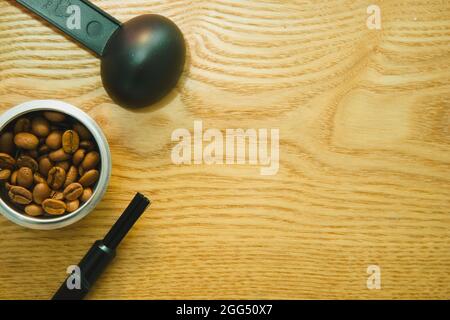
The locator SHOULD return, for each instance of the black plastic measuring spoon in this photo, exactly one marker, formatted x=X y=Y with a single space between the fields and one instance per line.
x=141 y=59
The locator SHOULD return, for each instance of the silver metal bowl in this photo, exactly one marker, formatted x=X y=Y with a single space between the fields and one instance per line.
x=105 y=170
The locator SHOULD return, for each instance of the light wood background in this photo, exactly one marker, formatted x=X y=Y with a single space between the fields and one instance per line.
x=365 y=154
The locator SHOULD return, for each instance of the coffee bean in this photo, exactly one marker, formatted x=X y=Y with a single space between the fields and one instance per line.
x=5 y=174
x=78 y=156
x=22 y=125
x=87 y=144
x=73 y=191
x=54 y=116
x=34 y=210
x=70 y=141
x=91 y=160
x=57 y=195
x=43 y=149
x=82 y=131
x=89 y=178
x=63 y=164
x=59 y=155
x=6 y=161
x=41 y=192
x=40 y=127
x=80 y=171
x=44 y=166
x=7 y=143
x=38 y=178
x=14 y=178
x=27 y=161
x=20 y=195
x=54 y=207
x=25 y=177
x=27 y=141
x=54 y=140
x=87 y=194
x=71 y=176
x=71 y=206
x=56 y=177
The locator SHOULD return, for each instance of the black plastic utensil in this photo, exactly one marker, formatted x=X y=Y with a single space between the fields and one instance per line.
x=103 y=251
x=141 y=60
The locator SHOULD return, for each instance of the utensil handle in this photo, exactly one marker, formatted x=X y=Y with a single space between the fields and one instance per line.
x=79 y=19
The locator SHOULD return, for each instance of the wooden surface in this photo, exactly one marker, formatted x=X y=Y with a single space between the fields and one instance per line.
x=364 y=154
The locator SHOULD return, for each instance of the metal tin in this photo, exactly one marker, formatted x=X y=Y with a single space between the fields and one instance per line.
x=105 y=171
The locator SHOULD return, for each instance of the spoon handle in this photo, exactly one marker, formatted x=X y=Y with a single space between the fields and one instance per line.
x=79 y=19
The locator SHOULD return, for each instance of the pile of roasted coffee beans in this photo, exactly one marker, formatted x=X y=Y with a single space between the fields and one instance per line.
x=49 y=163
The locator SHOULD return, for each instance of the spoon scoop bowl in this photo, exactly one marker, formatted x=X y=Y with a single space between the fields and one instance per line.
x=143 y=60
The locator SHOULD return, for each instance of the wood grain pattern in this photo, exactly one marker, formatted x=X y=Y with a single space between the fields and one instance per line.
x=365 y=154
